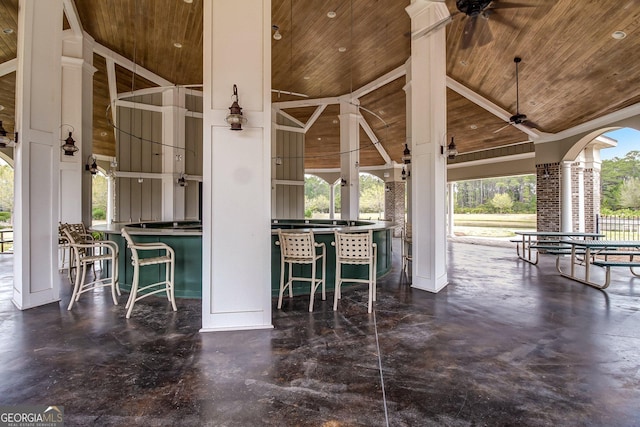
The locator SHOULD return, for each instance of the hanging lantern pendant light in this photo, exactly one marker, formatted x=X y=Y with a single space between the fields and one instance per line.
x=235 y=117
x=69 y=146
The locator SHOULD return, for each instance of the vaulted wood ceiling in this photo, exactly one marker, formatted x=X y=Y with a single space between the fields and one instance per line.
x=572 y=69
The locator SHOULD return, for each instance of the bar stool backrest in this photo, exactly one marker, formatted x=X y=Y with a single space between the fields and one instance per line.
x=297 y=246
x=354 y=246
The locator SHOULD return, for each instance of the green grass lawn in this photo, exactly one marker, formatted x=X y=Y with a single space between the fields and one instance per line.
x=492 y=225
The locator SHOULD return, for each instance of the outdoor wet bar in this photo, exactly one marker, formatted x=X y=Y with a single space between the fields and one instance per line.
x=185 y=237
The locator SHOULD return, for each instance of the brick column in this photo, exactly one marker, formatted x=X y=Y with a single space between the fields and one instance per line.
x=591 y=199
x=548 y=196
x=394 y=204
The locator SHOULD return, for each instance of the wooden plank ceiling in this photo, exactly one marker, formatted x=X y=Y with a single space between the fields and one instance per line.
x=572 y=69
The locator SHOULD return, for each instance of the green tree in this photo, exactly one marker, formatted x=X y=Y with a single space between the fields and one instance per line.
x=630 y=193
x=99 y=196
x=371 y=194
x=502 y=202
x=6 y=188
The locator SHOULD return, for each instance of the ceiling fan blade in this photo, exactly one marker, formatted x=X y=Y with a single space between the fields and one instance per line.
x=502 y=128
x=483 y=33
x=468 y=32
x=530 y=124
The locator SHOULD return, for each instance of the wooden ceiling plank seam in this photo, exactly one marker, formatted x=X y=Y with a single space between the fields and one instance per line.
x=314 y=117
x=290 y=117
x=374 y=140
x=8 y=67
x=105 y=52
x=71 y=12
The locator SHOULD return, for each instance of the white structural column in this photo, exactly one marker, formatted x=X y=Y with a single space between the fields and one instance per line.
x=173 y=154
x=580 y=184
x=566 y=212
x=349 y=160
x=236 y=240
x=428 y=133
x=407 y=168
x=332 y=200
x=452 y=204
x=76 y=116
x=38 y=81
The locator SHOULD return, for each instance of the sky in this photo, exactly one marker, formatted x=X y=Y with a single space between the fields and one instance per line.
x=628 y=140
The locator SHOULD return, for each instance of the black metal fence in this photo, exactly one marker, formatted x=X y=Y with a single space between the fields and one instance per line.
x=618 y=227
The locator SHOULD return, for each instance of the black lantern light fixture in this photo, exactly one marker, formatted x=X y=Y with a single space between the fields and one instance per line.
x=182 y=181
x=93 y=167
x=69 y=146
x=235 y=117
x=4 y=140
x=406 y=155
x=451 y=151
x=404 y=174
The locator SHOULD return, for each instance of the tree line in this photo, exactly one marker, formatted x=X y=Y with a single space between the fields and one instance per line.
x=620 y=183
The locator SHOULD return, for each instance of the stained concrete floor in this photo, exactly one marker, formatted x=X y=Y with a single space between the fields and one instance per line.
x=505 y=344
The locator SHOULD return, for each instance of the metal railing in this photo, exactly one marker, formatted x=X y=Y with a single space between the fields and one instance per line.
x=618 y=227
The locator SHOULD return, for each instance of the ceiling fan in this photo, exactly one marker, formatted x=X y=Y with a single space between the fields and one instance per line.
x=476 y=31
x=518 y=118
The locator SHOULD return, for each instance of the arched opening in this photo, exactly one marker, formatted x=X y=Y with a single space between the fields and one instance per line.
x=6 y=206
x=371 y=197
x=99 y=197
x=317 y=197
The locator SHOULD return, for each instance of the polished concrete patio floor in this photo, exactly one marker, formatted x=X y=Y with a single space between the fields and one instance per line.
x=506 y=343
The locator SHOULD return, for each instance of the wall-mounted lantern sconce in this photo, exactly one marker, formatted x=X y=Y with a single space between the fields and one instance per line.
x=343 y=182
x=4 y=140
x=406 y=155
x=69 y=146
x=404 y=174
x=93 y=167
x=546 y=174
x=276 y=34
x=387 y=188
x=235 y=117
x=451 y=151
x=182 y=181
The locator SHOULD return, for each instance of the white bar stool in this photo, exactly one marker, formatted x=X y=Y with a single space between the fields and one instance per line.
x=300 y=248
x=355 y=249
x=166 y=285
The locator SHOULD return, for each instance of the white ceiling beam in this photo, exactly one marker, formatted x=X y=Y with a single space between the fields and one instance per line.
x=290 y=117
x=105 y=52
x=8 y=67
x=314 y=117
x=380 y=81
x=374 y=140
x=306 y=102
x=289 y=128
x=139 y=106
x=73 y=18
x=113 y=89
x=489 y=106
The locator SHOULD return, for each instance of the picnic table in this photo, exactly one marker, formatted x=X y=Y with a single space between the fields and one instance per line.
x=6 y=236
x=532 y=243
x=601 y=253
